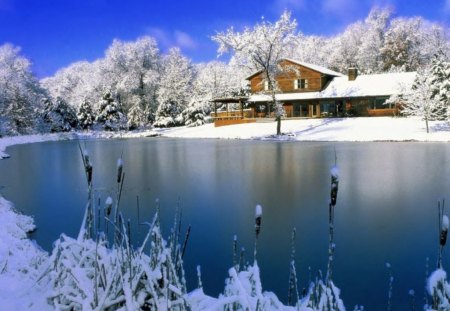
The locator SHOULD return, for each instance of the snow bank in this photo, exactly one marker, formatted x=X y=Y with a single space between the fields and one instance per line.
x=20 y=262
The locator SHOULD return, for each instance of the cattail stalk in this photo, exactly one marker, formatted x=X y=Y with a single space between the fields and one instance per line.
x=293 y=287
x=186 y=239
x=443 y=231
x=258 y=219
x=199 y=277
x=333 y=199
x=391 y=281
x=235 y=262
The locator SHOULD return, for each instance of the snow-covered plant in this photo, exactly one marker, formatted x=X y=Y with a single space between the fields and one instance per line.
x=323 y=296
x=439 y=290
x=110 y=116
x=89 y=274
x=59 y=116
x=85 y=115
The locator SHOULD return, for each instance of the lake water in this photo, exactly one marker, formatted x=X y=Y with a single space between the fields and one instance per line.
x=386 y=210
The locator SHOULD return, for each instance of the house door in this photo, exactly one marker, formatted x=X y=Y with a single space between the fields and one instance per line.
x=314 y=110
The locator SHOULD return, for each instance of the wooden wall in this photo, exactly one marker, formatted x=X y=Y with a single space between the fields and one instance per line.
x=286 y=79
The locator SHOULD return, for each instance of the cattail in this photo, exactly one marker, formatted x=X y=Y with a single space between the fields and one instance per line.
x=119 y=170
x=258 y=216
x=108 y=205
x=334 y=184
x=199 y=277
x=444 y=230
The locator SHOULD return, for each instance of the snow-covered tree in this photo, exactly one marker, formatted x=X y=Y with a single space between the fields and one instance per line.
x=20 y=93
x=85 y=115
x=368 y=57
x=440 y=84
x=59 y=116
x=196 y=113
x=76 y=83
x=345 y=47
x=132 y=72
x=260 y=49
x=402 y=44
x=420 y=100
x=110 y=116
x=174 y=88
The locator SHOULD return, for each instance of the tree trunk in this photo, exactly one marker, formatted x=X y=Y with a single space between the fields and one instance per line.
x=278 y=125
x=426 y=122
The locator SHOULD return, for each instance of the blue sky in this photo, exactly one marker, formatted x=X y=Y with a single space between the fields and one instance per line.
x=55 y=33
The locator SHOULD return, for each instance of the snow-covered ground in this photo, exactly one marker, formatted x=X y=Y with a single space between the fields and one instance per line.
x=339 y=129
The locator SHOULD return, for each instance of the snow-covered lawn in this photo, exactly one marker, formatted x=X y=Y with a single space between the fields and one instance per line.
x=340 y=129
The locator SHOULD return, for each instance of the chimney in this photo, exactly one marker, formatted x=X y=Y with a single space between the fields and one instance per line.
x=352 y=74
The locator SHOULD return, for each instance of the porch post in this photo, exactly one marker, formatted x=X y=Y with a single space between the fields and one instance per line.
x=242 y=109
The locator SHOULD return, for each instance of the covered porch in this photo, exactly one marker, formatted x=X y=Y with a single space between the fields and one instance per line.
x=234 y=115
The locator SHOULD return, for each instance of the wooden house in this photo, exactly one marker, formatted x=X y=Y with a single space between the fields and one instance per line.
x=311 y=91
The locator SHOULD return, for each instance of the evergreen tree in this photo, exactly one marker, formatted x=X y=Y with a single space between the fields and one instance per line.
x=110 y=116
x=85 y=115
x=137 y=116
x=420 y=100
x=440 y=84
x=196 y=113
x=59 y=116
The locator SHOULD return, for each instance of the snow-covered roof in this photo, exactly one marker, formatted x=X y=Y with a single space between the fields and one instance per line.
x=386 y=84
x=316 y=68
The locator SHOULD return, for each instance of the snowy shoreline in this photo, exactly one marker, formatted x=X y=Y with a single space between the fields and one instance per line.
x=369 y=129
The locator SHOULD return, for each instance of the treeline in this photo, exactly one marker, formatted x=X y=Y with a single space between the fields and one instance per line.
x=136 y=86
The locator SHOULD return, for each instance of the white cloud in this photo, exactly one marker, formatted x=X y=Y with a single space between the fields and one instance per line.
x=340 y=8
x=291 y=5
x=168 y=39
x=183 y=40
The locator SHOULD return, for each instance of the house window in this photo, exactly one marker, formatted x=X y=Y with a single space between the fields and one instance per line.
x=379 y=103
x=266 y=85
x=300 y=84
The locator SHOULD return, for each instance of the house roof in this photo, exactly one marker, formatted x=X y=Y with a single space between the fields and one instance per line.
x=386 y=84
x=317 y=68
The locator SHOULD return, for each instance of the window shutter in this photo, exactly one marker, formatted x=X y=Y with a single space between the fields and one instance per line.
x=295 y=84
x=306 y=83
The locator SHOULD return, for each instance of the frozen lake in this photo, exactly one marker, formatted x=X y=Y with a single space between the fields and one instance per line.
x=386 y=210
